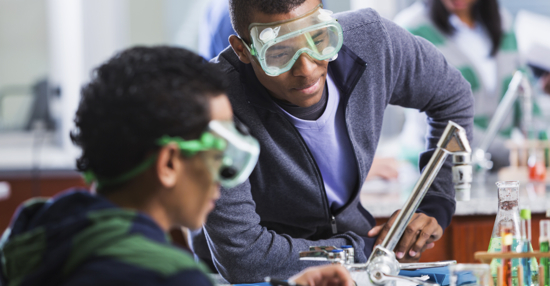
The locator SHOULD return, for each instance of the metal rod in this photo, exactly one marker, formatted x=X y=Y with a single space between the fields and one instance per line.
x=452 y=140
x=420 y=189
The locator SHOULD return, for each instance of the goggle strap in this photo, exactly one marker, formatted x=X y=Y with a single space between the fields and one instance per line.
x=311 y=42
x=250 y=48
x=188 y=147
x=89 y=176
x=191 y=147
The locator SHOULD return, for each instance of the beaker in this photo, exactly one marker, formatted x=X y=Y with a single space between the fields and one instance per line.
x=508 y=211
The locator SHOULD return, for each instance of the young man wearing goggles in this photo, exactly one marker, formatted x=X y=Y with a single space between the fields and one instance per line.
x=158 y=138
x=312 y=87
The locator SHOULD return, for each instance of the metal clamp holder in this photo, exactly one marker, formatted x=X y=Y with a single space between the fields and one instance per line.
x=332 y=254
x=519 y=86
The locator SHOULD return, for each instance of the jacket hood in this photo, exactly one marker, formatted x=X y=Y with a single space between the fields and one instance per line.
x=48 y=239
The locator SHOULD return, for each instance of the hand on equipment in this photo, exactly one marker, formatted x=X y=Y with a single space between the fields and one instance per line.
x=327 y=275
x=419 y=235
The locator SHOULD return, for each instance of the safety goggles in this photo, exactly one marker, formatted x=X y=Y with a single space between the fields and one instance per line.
x=278 y=45
x=239 y=149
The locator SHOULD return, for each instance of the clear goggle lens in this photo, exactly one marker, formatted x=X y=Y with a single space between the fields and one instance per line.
x=320 y=44
x=239 y=157
x=278 y=45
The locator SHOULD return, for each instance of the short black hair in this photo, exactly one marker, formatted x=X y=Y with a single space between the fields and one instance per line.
x=241 y=11
x=485 y=12
x=134 y=99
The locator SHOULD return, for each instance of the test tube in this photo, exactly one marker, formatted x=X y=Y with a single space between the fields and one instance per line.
x=525 y=244
x=507 y=241
x=543 y=240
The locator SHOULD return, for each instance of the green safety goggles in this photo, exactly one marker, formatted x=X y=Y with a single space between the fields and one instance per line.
x=278 y=45
x=240 y=154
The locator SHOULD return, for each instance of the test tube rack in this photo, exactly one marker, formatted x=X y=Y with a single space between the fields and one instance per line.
x=519 y=155
x=486 y=257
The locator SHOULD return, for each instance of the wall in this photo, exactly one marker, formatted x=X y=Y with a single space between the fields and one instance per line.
x=23 y=55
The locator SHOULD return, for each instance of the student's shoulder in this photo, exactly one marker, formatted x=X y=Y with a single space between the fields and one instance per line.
x=227 y=60
x=358 y=19
x=108 y=271
x=138 y=260
x=143 y=252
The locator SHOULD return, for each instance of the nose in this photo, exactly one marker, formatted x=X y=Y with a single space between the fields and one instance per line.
x=304 y=66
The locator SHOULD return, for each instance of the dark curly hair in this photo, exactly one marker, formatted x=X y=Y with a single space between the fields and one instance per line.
x=241 y=11
x=137 y=97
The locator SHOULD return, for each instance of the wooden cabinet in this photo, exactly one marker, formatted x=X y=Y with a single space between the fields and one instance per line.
x=24 y=188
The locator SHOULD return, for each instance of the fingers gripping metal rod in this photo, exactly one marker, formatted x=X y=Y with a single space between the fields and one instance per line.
x=452 y=140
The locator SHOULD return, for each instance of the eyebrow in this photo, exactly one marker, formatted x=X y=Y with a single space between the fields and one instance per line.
x=279 y=47
x=318 y=34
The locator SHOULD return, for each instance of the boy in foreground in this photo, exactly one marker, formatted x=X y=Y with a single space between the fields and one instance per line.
x=158 y=138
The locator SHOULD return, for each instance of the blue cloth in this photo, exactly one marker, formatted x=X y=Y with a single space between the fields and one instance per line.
x=440 y=275
x=328 y=140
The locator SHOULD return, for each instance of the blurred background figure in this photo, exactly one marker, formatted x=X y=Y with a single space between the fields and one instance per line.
x=476 y=37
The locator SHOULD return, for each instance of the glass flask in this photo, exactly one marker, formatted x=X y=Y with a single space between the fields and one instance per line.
x=508 y=215
x=525 y=244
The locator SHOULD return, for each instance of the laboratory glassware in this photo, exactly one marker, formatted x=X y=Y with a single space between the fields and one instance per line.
x=508 y=210
x=470 y=275
x=543 y=241
x=507 y=239
x=543 y=137
x=537 y=165
x=525 y=245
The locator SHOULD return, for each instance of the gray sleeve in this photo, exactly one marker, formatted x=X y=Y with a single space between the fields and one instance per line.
x=422 y=79
x=245 y=252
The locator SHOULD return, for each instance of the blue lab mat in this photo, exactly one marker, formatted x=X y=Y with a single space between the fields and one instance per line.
x=440 y=275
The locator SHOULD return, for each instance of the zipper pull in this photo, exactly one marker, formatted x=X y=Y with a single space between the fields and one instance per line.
x=333 y=224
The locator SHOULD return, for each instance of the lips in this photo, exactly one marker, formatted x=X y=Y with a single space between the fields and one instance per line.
x=459 y=4
x=311 y=88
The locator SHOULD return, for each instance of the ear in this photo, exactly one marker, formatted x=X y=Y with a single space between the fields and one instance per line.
x=169 y=165
x=239 y=49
